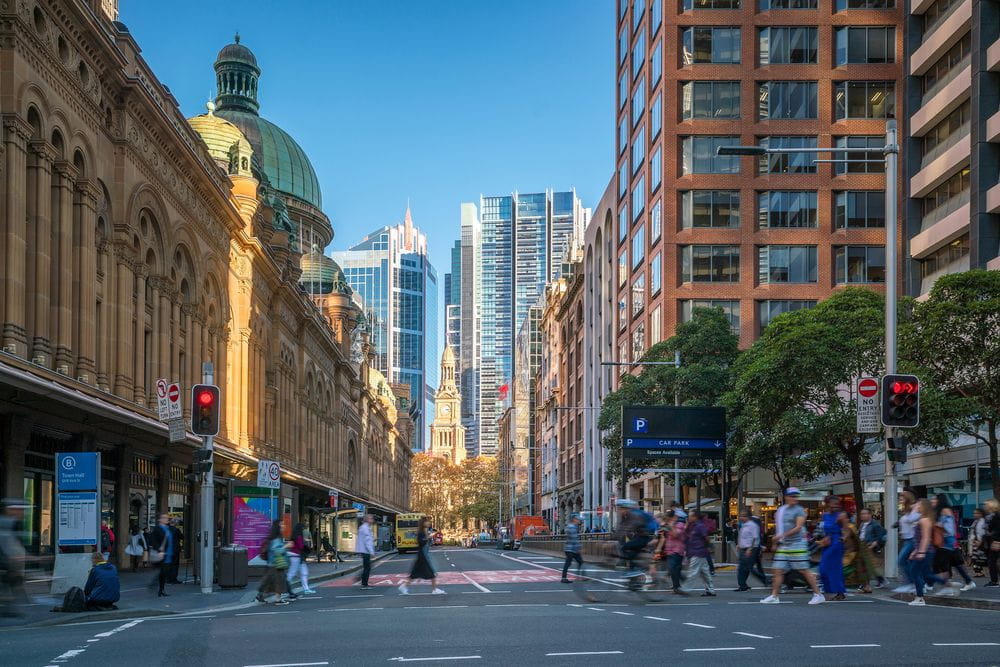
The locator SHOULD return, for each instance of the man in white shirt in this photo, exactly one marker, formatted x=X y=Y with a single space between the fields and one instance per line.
x=366 y=547
x=748 y=544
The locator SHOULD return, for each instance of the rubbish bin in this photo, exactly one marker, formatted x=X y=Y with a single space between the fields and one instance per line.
x=232 y=567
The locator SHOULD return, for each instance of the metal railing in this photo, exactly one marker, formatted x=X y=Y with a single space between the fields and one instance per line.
x=944 y=210
x=960 y=133
x=945 y=80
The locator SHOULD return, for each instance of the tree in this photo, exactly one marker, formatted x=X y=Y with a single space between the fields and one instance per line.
x=953 y=338
x=792 y=407
x=451 y=495
x=431 y=481
x=707 y=348
x=480 y=489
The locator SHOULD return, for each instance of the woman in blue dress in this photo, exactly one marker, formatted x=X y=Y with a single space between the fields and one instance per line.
x=831 y=565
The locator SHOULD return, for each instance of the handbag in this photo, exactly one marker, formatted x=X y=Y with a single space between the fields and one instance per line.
x=155 y=556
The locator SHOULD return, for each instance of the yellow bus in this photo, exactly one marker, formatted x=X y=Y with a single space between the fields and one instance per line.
x=406 y=532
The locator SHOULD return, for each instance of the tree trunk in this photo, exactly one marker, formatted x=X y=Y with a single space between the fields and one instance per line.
x=697 y=501
x=859 y=493
x=994 y=464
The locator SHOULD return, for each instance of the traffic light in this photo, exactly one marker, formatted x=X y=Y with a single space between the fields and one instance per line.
x=205 y=409
x=900 y=400
x=202 y=464
x=896 y=449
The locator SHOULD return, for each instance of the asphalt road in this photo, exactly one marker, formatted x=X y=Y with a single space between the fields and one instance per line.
x=504 y=608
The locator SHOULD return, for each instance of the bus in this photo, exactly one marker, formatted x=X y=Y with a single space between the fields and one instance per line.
x=406 y=532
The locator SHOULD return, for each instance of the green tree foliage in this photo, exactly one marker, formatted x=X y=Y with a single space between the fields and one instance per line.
x=952 y=341
x=455 y=495
x=707 y=347
x=480 y=490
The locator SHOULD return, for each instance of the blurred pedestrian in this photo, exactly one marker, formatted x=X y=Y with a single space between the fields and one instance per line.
x=274 y=580
x=857 y=559
x=366 y=547
x=422 y=566
x=673 y=549
x=872 y=534
x=923 y=552
x=175 y=564
x=791 y=548
x=831 y=566
x=136 y=547
x=161 y=540
x=103 y=588
x=698 y=551
x=977 y=538
x=992 y=540
x=949 y=553
x=12 y=556
x=748 y=547
x=107 y=539
x=908 y=520
x=298 y=552
x=572 y=546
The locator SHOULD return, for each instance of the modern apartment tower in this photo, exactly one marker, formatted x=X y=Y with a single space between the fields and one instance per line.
x=952 y=137
x=392 y=273
x=523 y=240
x=469 y=344
x=753 y=236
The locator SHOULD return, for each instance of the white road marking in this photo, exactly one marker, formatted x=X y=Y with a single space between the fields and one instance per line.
x=481 y=592
x=699 y=625
x=93 y=640
x=552 y=590
x=595 y=608
x=521 y=604
x=758 y=603
x=586 y=653
x=750 y=634
x=966 y=644
x=368 y=595
x=69 y=654
x=266 y=613
x=552 y=569
x=354 y=609
x=656 y=618
x=444 y=606
x=291 y=664
x=447 y=657
x=677 y=604
x=844 y=646
x=482 y=589
x=721 y=648
x=119 y=628
x=623 y=613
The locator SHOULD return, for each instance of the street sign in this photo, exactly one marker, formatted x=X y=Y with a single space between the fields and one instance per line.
x=161 y=399
x=269 y=474
x=177 y=431
x=657 y=431
x=78 y=478
x=174 y=405
x=77 y=471
x=867 y=405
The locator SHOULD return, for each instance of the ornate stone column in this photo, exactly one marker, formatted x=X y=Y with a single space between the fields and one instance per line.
x=16 y=134
x=123 y=303
x=154 y=329
x=105 y=364
x=62 y=292
x=86 y=309
x=165 y=369
x=175 y=339
x=138 y=361
x=41 y=251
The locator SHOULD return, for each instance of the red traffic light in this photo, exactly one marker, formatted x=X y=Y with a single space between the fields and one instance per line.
x=205 y=415
x=904 y=387
x=900 y=401
x=205 y=398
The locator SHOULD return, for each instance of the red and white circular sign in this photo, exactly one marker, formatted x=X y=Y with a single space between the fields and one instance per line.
x=274 y=472
x=868 y=387
x=161 y=388
x=174 y=393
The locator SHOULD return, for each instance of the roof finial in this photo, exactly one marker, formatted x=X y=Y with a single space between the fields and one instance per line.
x=237 y=37
x=210 y=105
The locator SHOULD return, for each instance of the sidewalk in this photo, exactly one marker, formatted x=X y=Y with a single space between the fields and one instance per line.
x=979 y=597
x=137 y=599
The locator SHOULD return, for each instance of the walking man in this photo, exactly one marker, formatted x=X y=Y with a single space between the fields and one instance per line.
x=572 y=547
x=792 y=549
x=748 y=545
x=366 y=544
x=873 y=534
x=698 y=551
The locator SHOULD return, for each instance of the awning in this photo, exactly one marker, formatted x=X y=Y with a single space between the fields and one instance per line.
x=939 y=477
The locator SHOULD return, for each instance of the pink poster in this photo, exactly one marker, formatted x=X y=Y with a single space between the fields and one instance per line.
x=251 y=522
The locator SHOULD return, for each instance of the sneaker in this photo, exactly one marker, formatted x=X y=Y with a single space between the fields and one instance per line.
x=817 y=598
x=282 y=602
x=968 y=587
x=438 y=591
x=310 y=592
x=708 y=594
x=917 y=602
x=770 y=599
x=905 y=588
x=947 y=592
x=403 y=590
x=992 y=584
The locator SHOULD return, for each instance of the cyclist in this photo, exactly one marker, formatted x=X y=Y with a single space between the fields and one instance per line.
x=633 y=533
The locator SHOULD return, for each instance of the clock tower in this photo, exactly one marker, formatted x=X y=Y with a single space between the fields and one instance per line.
x=447 y=432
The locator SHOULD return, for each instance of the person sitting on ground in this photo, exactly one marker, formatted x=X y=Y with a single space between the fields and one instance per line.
x=103 y=589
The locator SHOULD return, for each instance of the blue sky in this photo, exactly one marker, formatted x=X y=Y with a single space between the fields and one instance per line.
x=432 y=101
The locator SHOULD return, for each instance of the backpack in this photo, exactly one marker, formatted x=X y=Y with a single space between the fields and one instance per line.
x=264 y=548
x=74 y=601
x=937 y=536
x=105 y=540
x=650 y=522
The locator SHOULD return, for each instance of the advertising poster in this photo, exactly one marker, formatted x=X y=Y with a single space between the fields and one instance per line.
x=252 y=521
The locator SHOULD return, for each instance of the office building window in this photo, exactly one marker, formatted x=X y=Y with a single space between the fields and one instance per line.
x=874 y=161
x=622 y=135
x=656 y=169
x=655 y=15
x=843 y=5
x=786 y=209
x=710 y=263
x=710 y=99
x=655 y=326
x=766 y=5
x=865 y=44
x=710 y=208
x=638 y=149
x=942 y=258
x=936 y=13
x=787 y=163
x=788 y=45
x=638 y=246
x=655 y=273
x=638 y=53
x=623 y=268
x=860 y=264
x=622 y=224
x=864 y=99
x=655 y=221
x=786 y=264
x=623 y=317
x=956 y=186
x=637 y=11
x=656 y=64
x=954 y=124
x=699 y=155
x=710 y=4
x=731 y=309
x=638 y=102
x=787 y=99
x=638 y=295
x=623 y=179
x=656 y=116
x=768 y=310
x=954 y=58
x=638 y=341
x=638 y=197
x=859 y=209
x=622 y=91
x=622 y=46
x=710 y=45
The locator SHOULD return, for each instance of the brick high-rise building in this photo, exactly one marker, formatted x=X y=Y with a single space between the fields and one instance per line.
x=756 y=237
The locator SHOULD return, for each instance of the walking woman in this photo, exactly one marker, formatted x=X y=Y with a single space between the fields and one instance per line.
x=977 y=537
x=161 y=541
x=277 y=565
x=992 y=540
x=908 y=518
x=923 y=552
x=422 y=567
x=831 y=563
x=859 y=566
x=949 y=554
x=298 y=553
x=136 y=546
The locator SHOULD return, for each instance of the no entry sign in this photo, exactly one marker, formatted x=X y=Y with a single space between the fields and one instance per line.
x=867 y=405
x=868 y=387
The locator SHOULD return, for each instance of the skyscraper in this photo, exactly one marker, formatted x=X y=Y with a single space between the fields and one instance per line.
x=469 y=346
x=392 y=273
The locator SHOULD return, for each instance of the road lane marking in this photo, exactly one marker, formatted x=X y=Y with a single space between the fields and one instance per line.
x=965 y=644
x=543 y=567
x=750 y=634
x=585 y=653
x=119 y=628
x=482 y=589
x=721 y=648
x=368 y=595
x=266 y=613
x=699 y=625
x=521 y=604
x=623 y=613
x=354 y=609
x=757 y=603
x=595 y=609
x=291 y=664
x=482 y=592
x=844 y=645
x=446 y=657
x=677 y=604
x=552 y=590
x=656 y=618
x=444 y=606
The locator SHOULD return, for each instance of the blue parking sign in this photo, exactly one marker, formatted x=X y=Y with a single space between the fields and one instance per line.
x=640 y=425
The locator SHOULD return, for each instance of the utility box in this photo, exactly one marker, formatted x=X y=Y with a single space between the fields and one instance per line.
x=232 y=567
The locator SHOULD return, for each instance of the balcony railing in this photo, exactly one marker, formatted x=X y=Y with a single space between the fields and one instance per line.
x=943 y=211
x=938 y=20
x=945 y=80
x=958 y=266
x=960 y=133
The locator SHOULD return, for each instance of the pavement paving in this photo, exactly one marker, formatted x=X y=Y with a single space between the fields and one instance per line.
x=491 y=615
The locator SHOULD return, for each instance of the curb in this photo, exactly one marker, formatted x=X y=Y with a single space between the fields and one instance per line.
x=949 y=601
x=119 y=614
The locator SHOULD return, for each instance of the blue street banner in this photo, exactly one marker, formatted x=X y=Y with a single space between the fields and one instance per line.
x=675 y=443
x=77 y=471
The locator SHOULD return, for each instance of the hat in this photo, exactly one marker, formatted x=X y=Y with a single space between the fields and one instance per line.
x=792 y=491
x=626 y=503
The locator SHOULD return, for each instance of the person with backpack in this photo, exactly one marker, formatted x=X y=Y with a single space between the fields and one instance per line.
x=298 y=553
x=991 y=540
x=274 y=581
x=163 y=551
x=949 y=553
x=698 y=551
x=572 y=546
x=103 y=588
x=107 y=539
x=923 y=552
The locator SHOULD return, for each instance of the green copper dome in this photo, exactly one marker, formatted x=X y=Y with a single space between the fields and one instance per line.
x=284 y=162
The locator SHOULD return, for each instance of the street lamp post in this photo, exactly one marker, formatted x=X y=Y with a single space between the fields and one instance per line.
x=890 y=154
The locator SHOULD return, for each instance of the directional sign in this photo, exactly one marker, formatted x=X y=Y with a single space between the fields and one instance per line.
x=77 y=471
x=174 y=405
x=867 y=405
x=161 y=399
x=657 y=431
x=269 y=474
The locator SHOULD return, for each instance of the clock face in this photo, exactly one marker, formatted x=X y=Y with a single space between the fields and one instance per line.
x=445 y=409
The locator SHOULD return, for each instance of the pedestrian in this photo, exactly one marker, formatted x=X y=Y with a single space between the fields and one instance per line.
x=422 y=567
x=366 y=547
x=673 y=550
x=572 y=546
x=977 y=537
x=274 y=580
x=107 y=539
x=907 y=525
x=12 y=556
x=103 y=588
x=992 y=540
x=136 y=547
x=831 y=563
x=949 y=553
x=791 y=548
x=298 y=552
x=175 y=564
x=748 y=546
x=757 y=567
x=872 y=534
x=857 y=559
x=710 y=528
x=161 y=540
x=678 y=510
x=923 y=552
x=698 y=551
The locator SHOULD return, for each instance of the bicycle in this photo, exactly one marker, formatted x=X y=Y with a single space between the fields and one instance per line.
x=597 y=582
